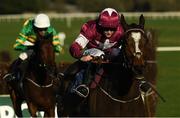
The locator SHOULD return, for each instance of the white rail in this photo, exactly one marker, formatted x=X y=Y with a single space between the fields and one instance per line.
x=92 y=15
x=168 y=49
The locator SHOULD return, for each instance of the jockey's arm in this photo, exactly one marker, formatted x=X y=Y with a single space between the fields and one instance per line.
x=20 y=41
x=56 y=43
x=23 y=37
x=76 y=49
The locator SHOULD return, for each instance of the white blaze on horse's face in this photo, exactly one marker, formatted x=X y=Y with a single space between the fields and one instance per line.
x=136 y=37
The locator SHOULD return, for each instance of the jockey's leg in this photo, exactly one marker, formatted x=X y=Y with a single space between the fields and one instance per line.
x=16 y=67
x=66 y=79
x=73 y=69
x=72 y=73
x=13 y=73
x=83 y=78
x=68 y=74
x=23 y=67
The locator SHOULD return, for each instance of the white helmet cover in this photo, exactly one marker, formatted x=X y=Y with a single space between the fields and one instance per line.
x=41 y=21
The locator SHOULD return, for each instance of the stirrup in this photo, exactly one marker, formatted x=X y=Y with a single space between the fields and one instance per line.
x=80 y=92
x=9 y=77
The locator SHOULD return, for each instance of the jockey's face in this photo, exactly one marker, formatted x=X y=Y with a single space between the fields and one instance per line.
x=108 y=32
x=41 y=31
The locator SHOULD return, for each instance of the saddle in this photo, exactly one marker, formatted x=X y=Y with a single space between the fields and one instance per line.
x=97 y=78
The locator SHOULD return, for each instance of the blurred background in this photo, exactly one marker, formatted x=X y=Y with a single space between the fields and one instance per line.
x=65 y=6
x=67 y=16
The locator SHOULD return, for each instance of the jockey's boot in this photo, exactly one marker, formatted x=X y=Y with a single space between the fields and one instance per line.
x=14 y=71
x=9 y=77
x=82 y=90
x=145 y=87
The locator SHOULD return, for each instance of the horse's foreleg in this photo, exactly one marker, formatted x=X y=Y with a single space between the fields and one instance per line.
x=50 y=113
x=32 y=109
x=16 y=103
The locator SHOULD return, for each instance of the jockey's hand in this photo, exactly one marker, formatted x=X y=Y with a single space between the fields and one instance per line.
x=86 y=58
x=25 y=55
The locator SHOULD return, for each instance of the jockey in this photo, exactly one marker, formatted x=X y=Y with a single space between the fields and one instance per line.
x=33 y=27
x=97 y=37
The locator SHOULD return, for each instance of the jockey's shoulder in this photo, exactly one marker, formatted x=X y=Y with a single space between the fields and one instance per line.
x=28 y=22
x=89 y=26
x=90 y=23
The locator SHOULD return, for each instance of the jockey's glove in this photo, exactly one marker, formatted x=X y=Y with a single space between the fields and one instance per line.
x=25 y=55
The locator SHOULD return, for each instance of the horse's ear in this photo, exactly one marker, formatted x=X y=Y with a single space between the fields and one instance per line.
x=123 y=22
x=141 y=21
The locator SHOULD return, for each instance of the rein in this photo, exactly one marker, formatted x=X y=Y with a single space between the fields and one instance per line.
x=135 y=29
x=151 y=62
x=46 y=86
x=113 y=98
x=119 y=100
x=49 y=70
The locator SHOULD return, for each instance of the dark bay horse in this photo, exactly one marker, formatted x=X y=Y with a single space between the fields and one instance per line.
x=149 y=57
x=118 y=93
x=40 y=81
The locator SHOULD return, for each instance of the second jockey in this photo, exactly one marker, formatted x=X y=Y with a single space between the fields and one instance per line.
x=34 y=27
x=97 y=37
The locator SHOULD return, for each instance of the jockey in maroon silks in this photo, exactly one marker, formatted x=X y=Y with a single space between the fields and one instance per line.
x=101 y=36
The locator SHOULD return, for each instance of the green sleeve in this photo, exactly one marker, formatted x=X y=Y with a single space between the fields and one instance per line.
x=23 y=35
x=56 y=42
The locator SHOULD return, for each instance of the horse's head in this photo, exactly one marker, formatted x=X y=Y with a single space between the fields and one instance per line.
x=44 y=51
x=135 y=45
x=43 y=61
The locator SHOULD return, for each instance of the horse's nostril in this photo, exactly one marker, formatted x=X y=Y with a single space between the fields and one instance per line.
x=138 y=54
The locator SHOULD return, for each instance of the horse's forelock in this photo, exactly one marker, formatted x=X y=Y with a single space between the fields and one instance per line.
x=44 y=50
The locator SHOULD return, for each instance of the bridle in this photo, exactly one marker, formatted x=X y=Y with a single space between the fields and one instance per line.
x=138 y=53
x=143 y=32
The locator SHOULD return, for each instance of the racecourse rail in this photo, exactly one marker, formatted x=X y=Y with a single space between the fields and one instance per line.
x=92 y=15
x=177 y=48
x=70 y=16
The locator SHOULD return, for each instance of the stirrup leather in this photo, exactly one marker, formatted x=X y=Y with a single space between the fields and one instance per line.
x=79 y=93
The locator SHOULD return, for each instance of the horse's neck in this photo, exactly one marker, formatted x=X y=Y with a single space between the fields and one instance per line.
x=39 y=74
x=134 y=89
x=116 y=79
